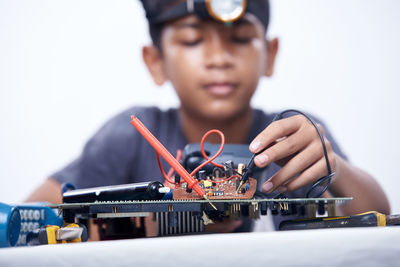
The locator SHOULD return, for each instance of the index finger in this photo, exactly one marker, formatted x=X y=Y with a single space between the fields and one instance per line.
x=274 y=131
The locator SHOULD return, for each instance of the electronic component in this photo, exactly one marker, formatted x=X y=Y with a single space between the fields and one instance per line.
x=229 y=168
x=54 y=234
x=207 y=184
x=134 y=191
x=22 y=219
x=10 y=225
x=192 y=157
x=202 y=174
x=222 y=185
x=180 y=216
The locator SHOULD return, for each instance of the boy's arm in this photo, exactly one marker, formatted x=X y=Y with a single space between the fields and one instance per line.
x=49 y=191
x=366 y=192
x=293 y=143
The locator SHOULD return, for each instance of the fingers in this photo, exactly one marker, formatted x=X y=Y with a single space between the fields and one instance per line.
x=274 y=131
x=283 y=180
x=293 y=141
x=286 y=146
x=311 y=175
x=300 y=162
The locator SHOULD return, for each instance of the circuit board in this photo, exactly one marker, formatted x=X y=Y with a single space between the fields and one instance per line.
x=224 y=190
x=176 y=217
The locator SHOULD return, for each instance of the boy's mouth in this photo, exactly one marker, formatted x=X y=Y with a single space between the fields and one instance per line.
x=220 y=88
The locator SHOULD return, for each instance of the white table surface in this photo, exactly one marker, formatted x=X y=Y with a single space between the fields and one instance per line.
x=371 y=246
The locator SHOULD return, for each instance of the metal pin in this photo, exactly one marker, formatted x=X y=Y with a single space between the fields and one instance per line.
x=212 y=205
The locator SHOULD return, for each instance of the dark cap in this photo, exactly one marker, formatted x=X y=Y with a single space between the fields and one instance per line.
x=160 y=11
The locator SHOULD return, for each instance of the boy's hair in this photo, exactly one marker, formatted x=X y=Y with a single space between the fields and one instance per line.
x=155 y=8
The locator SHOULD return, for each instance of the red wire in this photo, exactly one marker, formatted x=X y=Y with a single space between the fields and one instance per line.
x=233 y=176
x=220 y=148
x=168 y=176
x=210 y=160
x=162 y=169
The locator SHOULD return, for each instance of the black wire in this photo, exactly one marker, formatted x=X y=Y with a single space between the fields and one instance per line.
x=328 y=165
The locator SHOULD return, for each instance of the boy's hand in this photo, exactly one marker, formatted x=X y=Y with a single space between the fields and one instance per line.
x=294 y=144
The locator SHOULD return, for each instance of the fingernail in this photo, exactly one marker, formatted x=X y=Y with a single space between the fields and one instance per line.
x=261 y=159
x=267 y=186
x=255 y=146
x=281 y=189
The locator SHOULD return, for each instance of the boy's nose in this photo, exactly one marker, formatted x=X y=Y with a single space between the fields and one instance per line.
x=217 y=53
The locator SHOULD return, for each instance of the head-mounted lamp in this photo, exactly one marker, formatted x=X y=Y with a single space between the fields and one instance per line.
x=220 y=10
x=226 y=10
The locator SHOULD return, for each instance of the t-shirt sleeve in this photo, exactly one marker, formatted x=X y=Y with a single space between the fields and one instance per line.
x=106 y=158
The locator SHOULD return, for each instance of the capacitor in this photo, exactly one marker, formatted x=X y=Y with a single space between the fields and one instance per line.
x=177 y=178
x=10 y=225
x=202 y=175
x=240 y=168
x=217 y=172
x=134 y=191
x=229 y=168
x=188 y=190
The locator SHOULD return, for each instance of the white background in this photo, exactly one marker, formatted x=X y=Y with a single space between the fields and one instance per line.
x=67 y=66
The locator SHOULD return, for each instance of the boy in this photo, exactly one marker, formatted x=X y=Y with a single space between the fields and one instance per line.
x=215 y=67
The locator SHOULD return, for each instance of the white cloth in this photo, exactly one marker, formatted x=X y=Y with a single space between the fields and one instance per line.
x=328 y=247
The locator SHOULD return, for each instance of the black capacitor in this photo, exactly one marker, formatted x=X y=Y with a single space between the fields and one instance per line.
x=229 y=168
x=188 y=190
x=202 y=175
x=177 y=179
x=134 y=191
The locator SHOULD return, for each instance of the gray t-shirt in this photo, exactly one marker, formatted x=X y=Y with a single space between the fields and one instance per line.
x=118 y=154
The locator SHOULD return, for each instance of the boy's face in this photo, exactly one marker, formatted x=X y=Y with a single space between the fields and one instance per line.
x=214 y=68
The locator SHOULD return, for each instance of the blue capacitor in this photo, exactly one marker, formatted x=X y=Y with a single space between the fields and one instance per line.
x=16 y=221
x=10 y=225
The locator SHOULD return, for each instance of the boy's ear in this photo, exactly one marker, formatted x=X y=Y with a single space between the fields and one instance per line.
x=272 y=50
x=153 y=60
